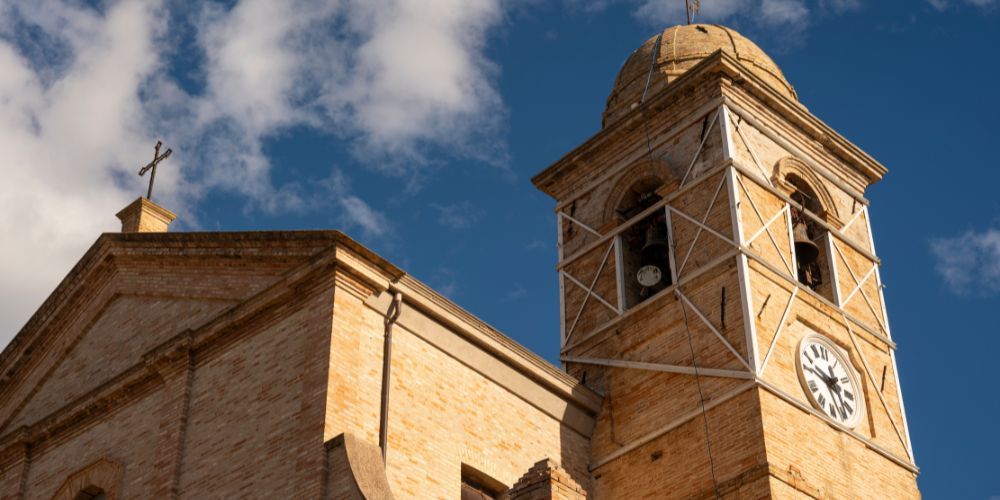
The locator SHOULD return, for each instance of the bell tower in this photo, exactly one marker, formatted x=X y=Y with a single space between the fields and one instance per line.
x=720 y=287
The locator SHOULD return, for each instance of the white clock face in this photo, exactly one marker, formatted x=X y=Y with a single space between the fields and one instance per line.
x=649 y=275
x=829 y=380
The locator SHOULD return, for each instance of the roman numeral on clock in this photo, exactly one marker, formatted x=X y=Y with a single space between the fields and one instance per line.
x=812 y=386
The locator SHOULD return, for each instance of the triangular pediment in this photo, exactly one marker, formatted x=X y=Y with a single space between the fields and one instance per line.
x=131 y=293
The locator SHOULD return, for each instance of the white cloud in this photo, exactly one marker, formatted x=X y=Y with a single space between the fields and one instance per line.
x=782 y=12
x=842 y=5
x=85 y=91
x=536 y=245
x=517 y=293
x=68 y=134
x=355 y=212
x=970 y=263
x=457 y=215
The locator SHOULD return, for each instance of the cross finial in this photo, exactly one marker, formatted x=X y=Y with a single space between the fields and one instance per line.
x=692 y=7
x=157 y=158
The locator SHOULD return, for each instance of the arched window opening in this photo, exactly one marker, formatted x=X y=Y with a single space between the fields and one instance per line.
x=645 y=252
x=812 y=261
x=91 y=493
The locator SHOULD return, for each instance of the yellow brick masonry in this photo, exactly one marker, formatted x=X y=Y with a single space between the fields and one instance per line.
x=274 y=348
x=546 y=480
x=144 y=216
x=764 y=441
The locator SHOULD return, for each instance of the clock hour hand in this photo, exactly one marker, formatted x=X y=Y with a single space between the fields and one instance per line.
x=833 y=378
x=820 y=375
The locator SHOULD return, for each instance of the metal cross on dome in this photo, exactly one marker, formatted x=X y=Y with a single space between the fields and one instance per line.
x=157 y=158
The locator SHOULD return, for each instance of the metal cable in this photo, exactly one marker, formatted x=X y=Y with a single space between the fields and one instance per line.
x=642 y=100
x=701 y=397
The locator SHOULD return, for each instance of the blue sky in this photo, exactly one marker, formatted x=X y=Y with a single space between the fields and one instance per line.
x=416 y=127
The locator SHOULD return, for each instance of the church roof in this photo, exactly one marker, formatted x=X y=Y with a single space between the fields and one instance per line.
x=288 y=256
x=681 y=48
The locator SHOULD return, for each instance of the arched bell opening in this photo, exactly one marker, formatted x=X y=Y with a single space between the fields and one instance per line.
x=812 y=260
x=645 y=247
x=91 y=493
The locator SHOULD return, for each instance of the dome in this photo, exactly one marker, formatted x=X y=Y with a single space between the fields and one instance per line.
x=681 y=48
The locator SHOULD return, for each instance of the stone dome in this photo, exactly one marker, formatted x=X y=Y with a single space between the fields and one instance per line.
x=681 y=48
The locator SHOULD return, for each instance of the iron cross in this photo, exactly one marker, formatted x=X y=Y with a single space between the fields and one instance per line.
x=157 y=158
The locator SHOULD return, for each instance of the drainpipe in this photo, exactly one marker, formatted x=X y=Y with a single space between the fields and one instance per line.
x=390 y=319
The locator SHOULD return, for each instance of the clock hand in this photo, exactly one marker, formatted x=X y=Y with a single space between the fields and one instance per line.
x=820 y=375
x=843 y=404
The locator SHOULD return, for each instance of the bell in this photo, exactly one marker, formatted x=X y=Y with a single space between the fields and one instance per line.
x=805 y=250
x=654 y=251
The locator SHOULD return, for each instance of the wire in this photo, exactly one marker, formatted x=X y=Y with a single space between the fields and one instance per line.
x=701 y=397
x=642 y=101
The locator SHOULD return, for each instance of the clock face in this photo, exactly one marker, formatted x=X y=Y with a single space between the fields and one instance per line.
x=649 y=275
x=830 y=380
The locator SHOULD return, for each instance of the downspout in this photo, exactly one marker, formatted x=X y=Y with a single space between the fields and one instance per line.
x=391 y=316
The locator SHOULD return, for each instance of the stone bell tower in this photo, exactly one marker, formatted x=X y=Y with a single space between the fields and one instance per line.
x=719 y=285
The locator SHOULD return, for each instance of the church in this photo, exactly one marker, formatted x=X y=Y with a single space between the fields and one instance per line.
x=723 y=333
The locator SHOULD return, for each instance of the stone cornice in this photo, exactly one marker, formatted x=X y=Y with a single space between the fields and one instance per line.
x=98 y=264
x=343 y=257
x=717 y=66
x=161 y=361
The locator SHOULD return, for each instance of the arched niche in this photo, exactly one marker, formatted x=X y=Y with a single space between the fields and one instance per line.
x=644 y=252
x=642 y=177
x=792 y=168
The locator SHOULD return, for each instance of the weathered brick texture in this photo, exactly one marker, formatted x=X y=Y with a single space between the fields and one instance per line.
x=546 y=480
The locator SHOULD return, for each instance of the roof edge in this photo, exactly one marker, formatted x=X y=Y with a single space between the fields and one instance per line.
x=718 y=63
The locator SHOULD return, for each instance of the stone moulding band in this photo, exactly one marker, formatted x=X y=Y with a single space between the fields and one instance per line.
x=669 y=290
x=906 y=464
x=661 y=367
x=747 y=173
x=739 y=248
x=871 y=380
x=664 y=138
x=808 y=291
x=683 y=419
x=714 y=263
x=641 y=215
x=796 y=151
x=756 y=382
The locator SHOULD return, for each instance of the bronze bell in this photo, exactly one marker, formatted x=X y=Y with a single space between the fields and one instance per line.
x=654 y=251
x=805 y=250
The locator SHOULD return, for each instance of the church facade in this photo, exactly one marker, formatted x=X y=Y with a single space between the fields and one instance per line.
x=723 y=333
